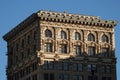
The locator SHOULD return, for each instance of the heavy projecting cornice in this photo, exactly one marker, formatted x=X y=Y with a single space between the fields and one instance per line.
x=60 y=17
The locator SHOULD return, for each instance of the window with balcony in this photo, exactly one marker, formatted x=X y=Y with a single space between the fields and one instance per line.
x=48 y=33
x=77 y=36
x=91 y=37
x=63 y=35
x=48 y=47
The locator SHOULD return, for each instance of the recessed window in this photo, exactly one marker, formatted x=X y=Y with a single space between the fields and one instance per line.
x=77 y=49
x=105 y=52
x=34 y=35
x=48 y=65
x=106 y=78
x=77 y=67
x=106 y=69
x=48 y=47
x=28 y=39
x=77 y=36
x=91 y=68
x=63 y=77
x=104 y=38
x=63 y=65
x=63 y=48
x=91 y=51
x=77 y=77
x=48 y=33
x=91 y=37
x=63 y=35
x=22 y=45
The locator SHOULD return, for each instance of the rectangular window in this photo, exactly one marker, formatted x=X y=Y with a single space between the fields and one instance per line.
x=91 y=68
x=92 y=78
x=77 y=77
x=48 y=47
x=106 y=78
x=51 y=65
x=63 y=77
x=66 y=66
x=34 y=77
x=105 y=52
x=60 y=65
x=77 y=67
x=91 y=51
x=46 y=76
x=45 y=65
x=63 y=48
x=77 y=50
x=106 y=69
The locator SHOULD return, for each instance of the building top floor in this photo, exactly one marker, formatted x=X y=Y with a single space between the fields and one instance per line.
x=62 y=17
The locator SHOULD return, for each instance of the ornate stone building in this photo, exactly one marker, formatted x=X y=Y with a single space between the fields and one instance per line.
x=61 y=46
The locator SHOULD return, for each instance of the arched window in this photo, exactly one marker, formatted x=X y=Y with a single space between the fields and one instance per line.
x=91 y=37
x=48 y=33
x=104 y=38
x=77 y=36
x=63 y=35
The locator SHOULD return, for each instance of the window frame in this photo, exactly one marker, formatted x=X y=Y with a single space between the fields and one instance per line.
x=48 y=33
x=91 y=37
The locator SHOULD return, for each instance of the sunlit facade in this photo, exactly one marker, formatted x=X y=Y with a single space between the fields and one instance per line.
x=61 y=46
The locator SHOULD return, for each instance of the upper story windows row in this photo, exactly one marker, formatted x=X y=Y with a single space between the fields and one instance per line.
x=77 y=36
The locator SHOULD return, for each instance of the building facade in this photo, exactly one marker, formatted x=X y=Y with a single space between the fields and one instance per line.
x=61 y=46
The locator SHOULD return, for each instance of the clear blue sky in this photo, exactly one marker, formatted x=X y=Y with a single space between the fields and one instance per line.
x=12 y=12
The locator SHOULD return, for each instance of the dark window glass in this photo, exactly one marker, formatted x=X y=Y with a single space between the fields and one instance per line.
x=22 y=43
x=45 y=66
x=46 y=76
x=105 y=52
x=106 y=69
x=63 y=48
x=28 y=39
x=91 y=51
x=51 y=76
x=104 y=38
x=91 y=37
x=48 y=47
x=63 y=35
x=17 y=47
x=106 y=78
x=63 y=77
x=51 y=65
x=66 y=66
x=48 y=33
x=60 y=65
x=77 y=36
x=92 y=78
x=77 y=77
x=77 y=50
x=77 y=67
x=91 y=68
x=34 y=35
